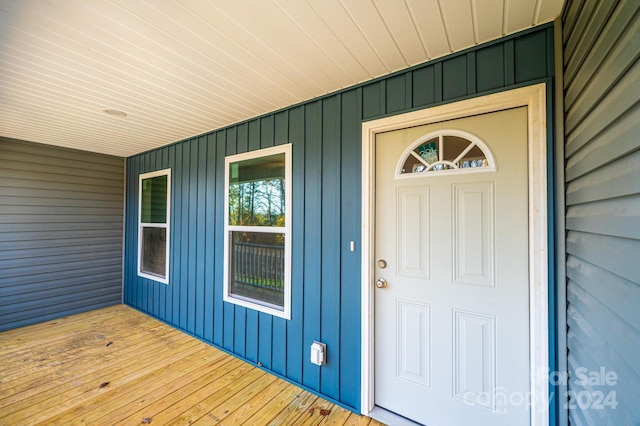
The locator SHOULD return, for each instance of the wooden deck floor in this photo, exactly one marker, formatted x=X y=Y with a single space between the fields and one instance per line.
x=118 y=366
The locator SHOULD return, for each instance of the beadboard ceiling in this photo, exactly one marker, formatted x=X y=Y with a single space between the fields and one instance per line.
x=180 y=68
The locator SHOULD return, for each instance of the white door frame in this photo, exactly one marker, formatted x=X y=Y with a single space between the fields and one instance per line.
x=534 y=97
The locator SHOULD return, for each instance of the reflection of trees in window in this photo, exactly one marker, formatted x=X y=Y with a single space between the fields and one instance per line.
x=257 y=203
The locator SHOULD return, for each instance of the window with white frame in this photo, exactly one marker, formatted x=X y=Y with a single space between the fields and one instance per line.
x=257 y=248
x=153 y=225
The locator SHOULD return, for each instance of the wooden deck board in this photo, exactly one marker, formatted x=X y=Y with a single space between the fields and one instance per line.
x=164 y=407
x=294 y=410
x=94 y=357
x=188 y=367
x=118 y=366
x=85 y=389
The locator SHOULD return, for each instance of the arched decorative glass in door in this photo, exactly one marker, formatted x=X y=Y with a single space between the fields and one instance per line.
x=446 y=151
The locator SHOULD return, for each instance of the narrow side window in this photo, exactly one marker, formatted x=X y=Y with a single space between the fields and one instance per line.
x=257 y=230
x=153 y=225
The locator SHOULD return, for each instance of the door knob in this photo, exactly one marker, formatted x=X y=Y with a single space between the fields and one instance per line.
x=381 y=283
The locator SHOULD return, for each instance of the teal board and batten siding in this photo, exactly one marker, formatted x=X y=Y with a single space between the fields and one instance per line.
x=61 y=228
x=602 y=128
x=326 y=138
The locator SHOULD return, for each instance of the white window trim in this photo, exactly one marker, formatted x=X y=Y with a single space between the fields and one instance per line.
x=286 y=230
x=167 y=172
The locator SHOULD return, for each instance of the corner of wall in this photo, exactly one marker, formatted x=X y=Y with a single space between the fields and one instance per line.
x=561 y=274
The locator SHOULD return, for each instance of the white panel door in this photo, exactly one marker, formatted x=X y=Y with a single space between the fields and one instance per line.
x=452 y=325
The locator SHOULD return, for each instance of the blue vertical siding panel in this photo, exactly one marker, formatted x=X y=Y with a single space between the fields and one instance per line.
x=408 y=91
x=490 y=68
x=176 y=219
x=295 y=350
x=192 y=235
x=454 y=77
x=383 y=96
x=371 y=100
x=192 y=232
x=178 y=198
x=210 y=236
x=229 y=308
x=312 y=243
x=330 y=301
x=396 y=96
x=527 y=66
x=264 y=339
x=550 y=61
x=183 y=239
x=145 y=165
x=242 y=137
x=240 y=331
x=281 y=131
x=200 y=253
x=254 y=135
x=350 y=133
x=423 y=85
x=267 y=131
x=218 y=310
x=471 y=73
x=279 y=346
x=509 y=63
x=438 y=88
x=175 y=152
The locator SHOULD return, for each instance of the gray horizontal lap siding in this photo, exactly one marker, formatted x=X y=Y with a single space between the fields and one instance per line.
x=326 y=140
x=602 y=126
x=60 y=232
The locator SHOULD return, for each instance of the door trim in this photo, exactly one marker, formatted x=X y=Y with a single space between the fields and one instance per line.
x=534 y=97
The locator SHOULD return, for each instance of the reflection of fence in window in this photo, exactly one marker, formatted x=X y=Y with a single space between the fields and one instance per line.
x=258 y=265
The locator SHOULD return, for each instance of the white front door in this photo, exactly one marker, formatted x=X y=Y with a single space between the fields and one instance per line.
x=452 y=323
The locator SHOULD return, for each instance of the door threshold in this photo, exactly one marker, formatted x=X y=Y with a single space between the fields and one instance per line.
x=390 y=418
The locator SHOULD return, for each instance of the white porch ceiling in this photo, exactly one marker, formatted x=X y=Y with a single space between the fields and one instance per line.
x=182 y=68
